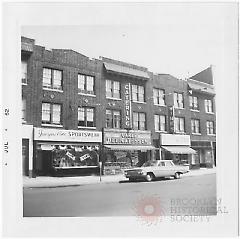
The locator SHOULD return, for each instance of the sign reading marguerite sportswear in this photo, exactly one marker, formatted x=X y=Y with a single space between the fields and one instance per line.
x=127 y=137
x=67 y=135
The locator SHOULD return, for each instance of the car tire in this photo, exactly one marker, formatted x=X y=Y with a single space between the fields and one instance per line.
x=131 y=179
x=149 y=177
x=177 y=175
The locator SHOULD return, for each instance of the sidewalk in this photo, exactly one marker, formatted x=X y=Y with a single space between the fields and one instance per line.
x=45 y=182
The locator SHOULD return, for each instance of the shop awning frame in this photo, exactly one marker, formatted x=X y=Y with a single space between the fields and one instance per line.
x=179 y=149
x=130 y=147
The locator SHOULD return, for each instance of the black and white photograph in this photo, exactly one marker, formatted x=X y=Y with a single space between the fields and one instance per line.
x=120 y=119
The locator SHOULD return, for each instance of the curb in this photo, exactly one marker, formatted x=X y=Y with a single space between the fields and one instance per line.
x=94 y=183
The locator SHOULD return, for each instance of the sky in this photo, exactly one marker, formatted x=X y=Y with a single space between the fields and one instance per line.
x=177 y=39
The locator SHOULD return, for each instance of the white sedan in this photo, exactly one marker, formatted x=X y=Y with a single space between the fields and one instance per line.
x=156 y=169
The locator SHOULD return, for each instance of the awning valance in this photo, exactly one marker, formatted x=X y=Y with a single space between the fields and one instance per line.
x=129 y=147
x=200 y=87
x=179 y=149
x=125 y=70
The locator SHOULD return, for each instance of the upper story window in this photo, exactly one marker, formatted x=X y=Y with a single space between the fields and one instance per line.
x=113 y=89
x=195 y=125
x=52 y=79
x=208 y=106
x=138 y=93
x=113 y=119
x=179 y=125
x=24 y=72
x=193 y=102
x=210 y=127
x=178 y=100
x=160 y=122
x=86 y=117
x=139 y=121
x=24 y=110
x=158 y=97
x=51 y=113
x=86 y=84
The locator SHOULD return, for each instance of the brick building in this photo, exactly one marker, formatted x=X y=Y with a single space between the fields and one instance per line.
x=79 y=111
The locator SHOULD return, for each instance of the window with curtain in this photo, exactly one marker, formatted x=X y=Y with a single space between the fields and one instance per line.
x=86 y=84
x=179 y=125
x=138 y=93
x=86 y=117
x=158 y=96
x=195 y=125
x=160 y=122
x=52 y=79
x=51 y=113
x=208 y=106
x=24 y=72
x=210 y=127
x=113 y=119
x=139 y=121
x=193 y=102
x=178 y=100
x=113 y=89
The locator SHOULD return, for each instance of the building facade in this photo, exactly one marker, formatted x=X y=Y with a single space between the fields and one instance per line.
x=77 y=112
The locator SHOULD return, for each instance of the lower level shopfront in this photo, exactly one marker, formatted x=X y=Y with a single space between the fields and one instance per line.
x=205 y=155
x=124 y=149
x=177 y=148
x=58 y=152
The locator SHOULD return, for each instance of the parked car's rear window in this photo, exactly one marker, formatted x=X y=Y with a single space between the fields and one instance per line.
x=149 y=163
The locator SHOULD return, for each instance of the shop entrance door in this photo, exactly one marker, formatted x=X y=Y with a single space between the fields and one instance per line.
x=46 y=162
x=25 y=156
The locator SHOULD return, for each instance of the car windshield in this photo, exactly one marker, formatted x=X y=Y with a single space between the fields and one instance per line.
x=149 y=163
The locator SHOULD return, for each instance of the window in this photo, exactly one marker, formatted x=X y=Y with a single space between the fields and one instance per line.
x=113 y=119
x=195 y=125
x=86 y=84
x=210 y=127
x=139 y=121
x=179 y=125
x=24 y=72
x=138 y=93
x=24 y=110
x=158 y=97
x=52 y=79
x=51 y=113
x=86 y=117
x=160 y=122
x=193 y=102
x=113 y=89
x=178 y=100
x=208 y=106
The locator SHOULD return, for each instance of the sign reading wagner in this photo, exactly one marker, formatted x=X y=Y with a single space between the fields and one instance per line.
x=125 y=137
x=67 y=135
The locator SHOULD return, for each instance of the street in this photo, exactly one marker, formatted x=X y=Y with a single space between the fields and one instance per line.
x=186 y=196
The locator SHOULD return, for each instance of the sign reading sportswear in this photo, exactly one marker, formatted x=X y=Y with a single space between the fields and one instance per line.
x=127 y=137
x=67 y=135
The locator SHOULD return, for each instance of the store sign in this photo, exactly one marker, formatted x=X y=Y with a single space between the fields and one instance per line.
x=67 y=135
x=171 y=116
x=127 y=107
x=172 y=139
x=127 y=137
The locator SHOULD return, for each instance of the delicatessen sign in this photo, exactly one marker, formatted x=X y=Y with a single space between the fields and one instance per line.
x=127 y=137
x=67 y=135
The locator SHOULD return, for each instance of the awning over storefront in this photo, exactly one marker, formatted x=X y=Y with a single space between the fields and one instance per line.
x=179 y=149
x=129 y=147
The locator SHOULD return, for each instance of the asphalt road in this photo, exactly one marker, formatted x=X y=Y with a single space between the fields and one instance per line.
x=187 y=196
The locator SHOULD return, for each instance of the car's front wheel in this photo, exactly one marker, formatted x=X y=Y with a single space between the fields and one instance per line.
x=177 y=175
x=149 y=177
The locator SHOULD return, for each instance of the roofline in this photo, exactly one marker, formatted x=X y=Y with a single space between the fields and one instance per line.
x=200 y=82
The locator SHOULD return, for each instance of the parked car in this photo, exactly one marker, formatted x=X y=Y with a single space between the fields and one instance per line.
x=156 y=169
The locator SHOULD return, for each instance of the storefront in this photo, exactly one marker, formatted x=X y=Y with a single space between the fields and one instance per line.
x=205 y=153
x=125 y=149
x=177 y=148
x=60 y=152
